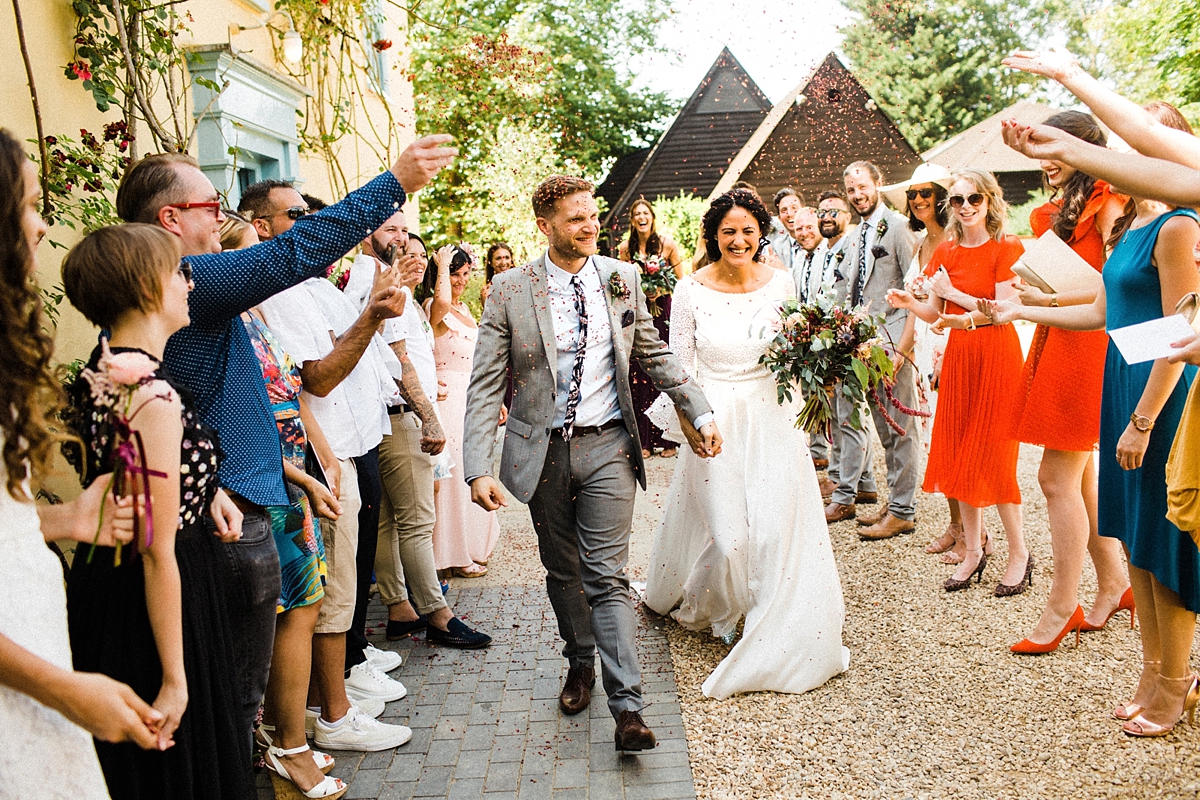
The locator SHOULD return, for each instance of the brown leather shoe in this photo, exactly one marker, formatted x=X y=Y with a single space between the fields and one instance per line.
x=874 y=518
x=632 y=732
x=577 y=690
x=867 y=498
x=821 y=463
x=827 y=488
x=836 y=512
x=887 y=528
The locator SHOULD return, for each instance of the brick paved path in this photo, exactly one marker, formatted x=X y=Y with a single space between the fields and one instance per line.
x=486 y=723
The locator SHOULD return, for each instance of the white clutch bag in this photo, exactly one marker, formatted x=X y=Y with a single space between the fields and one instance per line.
x=1052 y=266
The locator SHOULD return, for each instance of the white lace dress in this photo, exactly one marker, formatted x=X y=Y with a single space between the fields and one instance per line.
x=744 y=534
x=41 y=753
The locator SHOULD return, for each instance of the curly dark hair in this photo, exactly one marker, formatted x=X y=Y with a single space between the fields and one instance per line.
x=1078 y=189
x=29 y=392
x=941 y=209
x=739 y=198
x=489 y=269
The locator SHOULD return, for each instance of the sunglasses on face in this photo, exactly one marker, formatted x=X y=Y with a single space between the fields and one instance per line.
x=912 y=194
x=829 y=213
x=975 y=199
x=213 y=206
x=185 y=269
x=293 y=213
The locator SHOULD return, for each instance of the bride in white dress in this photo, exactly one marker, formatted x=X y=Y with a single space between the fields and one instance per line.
x=744 y=534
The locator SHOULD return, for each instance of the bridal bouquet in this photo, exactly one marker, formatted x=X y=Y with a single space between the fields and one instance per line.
x=657 y=279
x=113 y=384
x=825 y=347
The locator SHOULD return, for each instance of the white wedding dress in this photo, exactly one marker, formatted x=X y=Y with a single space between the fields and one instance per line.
x=743 y=534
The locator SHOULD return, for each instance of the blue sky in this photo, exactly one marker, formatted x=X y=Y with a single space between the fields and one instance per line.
x=777 y=41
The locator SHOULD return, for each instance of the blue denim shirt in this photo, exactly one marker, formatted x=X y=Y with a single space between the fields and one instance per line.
x=213 y=356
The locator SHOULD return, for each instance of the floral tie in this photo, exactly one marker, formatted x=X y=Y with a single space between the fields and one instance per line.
x=859 y=285
x=577 y=369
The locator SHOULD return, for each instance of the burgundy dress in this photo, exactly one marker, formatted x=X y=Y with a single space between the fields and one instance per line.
x=643 y=390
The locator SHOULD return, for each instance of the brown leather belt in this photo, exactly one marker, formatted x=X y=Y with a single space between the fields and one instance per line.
x=588 y=430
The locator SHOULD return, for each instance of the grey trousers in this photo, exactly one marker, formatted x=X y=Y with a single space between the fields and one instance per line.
x=866 y=481
x=583 y=514
x=901 y=452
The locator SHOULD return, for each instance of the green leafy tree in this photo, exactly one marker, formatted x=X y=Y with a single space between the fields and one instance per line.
x=556 y=67
x=680 y=218
x=934 y=65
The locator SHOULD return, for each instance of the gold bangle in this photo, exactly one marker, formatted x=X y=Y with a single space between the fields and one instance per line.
x=1054 y=300
x=970 y=322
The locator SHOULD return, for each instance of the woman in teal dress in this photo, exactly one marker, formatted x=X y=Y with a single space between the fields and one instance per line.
x=1150 y=269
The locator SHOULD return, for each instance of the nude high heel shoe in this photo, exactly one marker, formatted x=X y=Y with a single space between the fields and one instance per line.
x=1131 y=709
x=1144 y=728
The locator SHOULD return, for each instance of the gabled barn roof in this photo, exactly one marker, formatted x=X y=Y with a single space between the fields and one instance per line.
x=826 y=122
x=697 y=147
x=981 y=146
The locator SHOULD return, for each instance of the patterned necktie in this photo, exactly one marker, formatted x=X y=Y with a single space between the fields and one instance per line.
x=859 y=284
x=806 y=278
x=573 y=393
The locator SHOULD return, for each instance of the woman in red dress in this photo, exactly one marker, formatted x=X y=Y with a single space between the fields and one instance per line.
x=973 y=450
x=1060 y=409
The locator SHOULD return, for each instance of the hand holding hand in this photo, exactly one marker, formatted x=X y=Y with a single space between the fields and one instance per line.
x=171 y=702
x=487 y=494
x=1058 y=65
x=1131 y=447
x=227 y=516
x=421 y=160
x=111 y=711
x=1000 y=312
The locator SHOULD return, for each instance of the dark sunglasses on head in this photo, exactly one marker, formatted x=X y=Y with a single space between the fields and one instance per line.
x=295 y=212
x=975 y=199
x=831 y=213
x=185 y=269
x=912 y=194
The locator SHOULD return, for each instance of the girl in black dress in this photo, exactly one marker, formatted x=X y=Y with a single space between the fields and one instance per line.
x=151 y=616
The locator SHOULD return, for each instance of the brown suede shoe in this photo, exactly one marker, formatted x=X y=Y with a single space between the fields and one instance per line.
x=821 y=463
x=577 y=690
x=874 y=518
x=827 y=488
x=887 y=528
x=632 y=733
x=867 y=498
x=836 y=512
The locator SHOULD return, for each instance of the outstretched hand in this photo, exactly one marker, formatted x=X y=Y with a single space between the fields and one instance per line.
x=1058 y=65
x=899 y=298
x=421 y=160
x=1039 y=142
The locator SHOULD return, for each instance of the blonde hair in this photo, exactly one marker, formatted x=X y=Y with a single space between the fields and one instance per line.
x=233 y=230
x=997 y=210
x=118 y=269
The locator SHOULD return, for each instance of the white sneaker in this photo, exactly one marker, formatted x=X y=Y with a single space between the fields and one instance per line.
x=372 y=708
x=368 y=683
x=359 y=732
x=382 y=660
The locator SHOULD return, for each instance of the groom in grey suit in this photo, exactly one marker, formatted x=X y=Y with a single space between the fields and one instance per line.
x=876 y=260
x=567 y=325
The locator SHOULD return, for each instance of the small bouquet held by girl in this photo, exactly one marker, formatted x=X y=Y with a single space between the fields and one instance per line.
x=825 y=347
x=658 y=279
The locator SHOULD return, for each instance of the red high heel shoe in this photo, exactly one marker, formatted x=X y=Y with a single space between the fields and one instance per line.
x=1126 y=604
x=1027 y=647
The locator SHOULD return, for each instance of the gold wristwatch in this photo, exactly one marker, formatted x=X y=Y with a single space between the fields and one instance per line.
x=1143 y=424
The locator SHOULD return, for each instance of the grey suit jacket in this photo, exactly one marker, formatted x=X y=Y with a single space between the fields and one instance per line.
x=883 y=272
x=517 y=330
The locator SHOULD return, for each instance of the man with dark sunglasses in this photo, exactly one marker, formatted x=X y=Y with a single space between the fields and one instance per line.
x=272 y=206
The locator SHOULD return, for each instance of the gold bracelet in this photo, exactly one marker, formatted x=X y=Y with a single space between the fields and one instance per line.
x=970 y=322
x=1054 y=300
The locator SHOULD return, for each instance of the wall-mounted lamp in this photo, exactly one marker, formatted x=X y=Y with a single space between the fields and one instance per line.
x=293 y=45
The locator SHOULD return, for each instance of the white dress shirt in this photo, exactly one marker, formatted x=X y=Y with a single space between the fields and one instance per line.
x=598 y=399
x=353 y=416
x=825 y=264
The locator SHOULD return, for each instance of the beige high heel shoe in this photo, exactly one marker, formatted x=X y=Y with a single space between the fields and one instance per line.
x=1144 y=728
x=1129 y=710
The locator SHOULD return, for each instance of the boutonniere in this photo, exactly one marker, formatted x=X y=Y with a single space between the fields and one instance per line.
x=882 y=228
x=840 y=256
x=617 y=287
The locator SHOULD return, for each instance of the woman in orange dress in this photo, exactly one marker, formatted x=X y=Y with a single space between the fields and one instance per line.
x=973 y=450
x=1060 y=410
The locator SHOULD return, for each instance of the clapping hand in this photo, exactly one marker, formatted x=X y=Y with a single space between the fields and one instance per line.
x=421 y=160
x=1055 y=64
x=386 y=300
x=1000 y=312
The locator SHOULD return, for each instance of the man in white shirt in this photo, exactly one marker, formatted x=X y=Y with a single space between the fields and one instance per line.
x=346 y=380
x=783 y=243
x=404 y=552
x=568 y=324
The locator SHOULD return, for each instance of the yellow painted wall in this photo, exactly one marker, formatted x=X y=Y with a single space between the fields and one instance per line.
x=66 y=107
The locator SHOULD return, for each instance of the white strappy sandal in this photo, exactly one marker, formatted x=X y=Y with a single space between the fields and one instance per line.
x=328 y=789
x=324 y=761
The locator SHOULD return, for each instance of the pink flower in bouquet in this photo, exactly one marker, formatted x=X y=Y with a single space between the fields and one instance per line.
x=131 y=368
x=652 y=267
